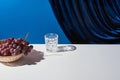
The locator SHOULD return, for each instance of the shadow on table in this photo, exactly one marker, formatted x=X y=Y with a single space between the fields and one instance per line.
x=66 y=48
x=31 y=59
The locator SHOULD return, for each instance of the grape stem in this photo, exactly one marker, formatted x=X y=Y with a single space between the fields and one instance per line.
x=26 y=36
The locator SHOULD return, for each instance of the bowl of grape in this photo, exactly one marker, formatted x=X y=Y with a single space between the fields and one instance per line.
x=12 y=49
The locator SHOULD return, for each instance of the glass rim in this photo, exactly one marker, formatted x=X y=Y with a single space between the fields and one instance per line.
x=51 y=35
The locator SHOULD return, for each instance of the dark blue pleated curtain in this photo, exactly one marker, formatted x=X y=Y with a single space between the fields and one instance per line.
x=89 y=21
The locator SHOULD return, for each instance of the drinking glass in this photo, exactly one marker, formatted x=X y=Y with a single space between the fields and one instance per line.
x=51 y=42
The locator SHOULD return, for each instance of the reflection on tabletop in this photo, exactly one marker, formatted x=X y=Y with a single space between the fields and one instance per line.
x=65 y=48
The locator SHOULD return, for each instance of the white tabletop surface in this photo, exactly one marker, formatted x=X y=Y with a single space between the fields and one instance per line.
x=87 y=62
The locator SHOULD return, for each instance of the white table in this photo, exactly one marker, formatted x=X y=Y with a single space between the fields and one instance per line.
x=87 y=62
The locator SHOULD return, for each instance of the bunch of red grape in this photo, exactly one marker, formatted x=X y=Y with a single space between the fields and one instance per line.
x=12 y=47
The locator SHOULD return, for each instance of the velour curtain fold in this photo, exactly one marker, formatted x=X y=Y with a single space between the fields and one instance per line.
x=89 y=21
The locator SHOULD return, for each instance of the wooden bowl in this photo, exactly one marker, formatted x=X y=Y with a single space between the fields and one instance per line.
x=10 y=58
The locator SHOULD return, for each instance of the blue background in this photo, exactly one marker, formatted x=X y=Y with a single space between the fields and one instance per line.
x=17 y=17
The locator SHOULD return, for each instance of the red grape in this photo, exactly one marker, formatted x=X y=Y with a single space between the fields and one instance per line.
x=12 y=46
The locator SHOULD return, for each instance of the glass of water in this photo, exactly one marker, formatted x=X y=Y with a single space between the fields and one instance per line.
x=51 y=42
